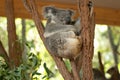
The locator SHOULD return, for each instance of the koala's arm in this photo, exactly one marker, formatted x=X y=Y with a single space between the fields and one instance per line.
x=56 y=28
x=77 y=26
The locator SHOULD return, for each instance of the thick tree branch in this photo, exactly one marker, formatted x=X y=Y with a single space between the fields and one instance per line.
x=87 y=33
x=60 y=64
x=14 y=47
x=3 y=53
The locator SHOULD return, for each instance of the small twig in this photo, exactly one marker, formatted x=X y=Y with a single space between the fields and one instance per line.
x=27 y=6
x=78 y=1
x=100 y=63
x=117 y=46
x=23 y=22
x=74 y=70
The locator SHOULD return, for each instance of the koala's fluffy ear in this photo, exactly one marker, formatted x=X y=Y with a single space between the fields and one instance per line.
x=49 y=9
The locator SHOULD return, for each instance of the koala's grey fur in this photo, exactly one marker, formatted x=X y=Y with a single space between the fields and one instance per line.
x=61 y=16
x=60 y=35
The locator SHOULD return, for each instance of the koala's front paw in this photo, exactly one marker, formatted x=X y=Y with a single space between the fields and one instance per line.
x=80 y=38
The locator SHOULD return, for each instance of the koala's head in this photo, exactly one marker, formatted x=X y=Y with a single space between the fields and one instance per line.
x=63 y=15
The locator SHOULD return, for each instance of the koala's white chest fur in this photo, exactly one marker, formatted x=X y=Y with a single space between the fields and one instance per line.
x=71 y=48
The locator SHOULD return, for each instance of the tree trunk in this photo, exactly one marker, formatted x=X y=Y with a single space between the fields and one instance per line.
x=14 y=47
x=87 y=33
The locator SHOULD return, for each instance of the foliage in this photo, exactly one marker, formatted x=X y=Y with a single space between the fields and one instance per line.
x=34 y=58
x=37 y=64
x=26 y=69
x=102 y=44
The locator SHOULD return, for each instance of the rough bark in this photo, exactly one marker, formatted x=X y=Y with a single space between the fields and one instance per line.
x=75 y=72
x=87 y=33
x=14 y=50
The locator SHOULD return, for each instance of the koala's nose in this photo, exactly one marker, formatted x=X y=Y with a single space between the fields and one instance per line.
x=68 y=20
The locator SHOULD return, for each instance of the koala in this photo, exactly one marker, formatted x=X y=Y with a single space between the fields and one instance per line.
x=56 y=15
x=60 y=35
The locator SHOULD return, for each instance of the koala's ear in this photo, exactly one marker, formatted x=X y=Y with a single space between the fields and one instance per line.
x=54 y=10
x=71 y=12
x=48 y=11
x=49 y=8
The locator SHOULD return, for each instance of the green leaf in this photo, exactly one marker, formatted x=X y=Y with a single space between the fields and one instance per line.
x=48 y=71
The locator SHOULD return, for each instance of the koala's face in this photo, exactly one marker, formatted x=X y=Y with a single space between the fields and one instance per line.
x=64 y=16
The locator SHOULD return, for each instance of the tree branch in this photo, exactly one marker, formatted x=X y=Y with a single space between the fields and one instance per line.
x=113 y=46
x=117 y=46
x=60 y=63
x=14 y=47
x=27 y=6
x=23 y=22
x=100 y=63
x=3 y=53
x=74 y=70
x=87 y=34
